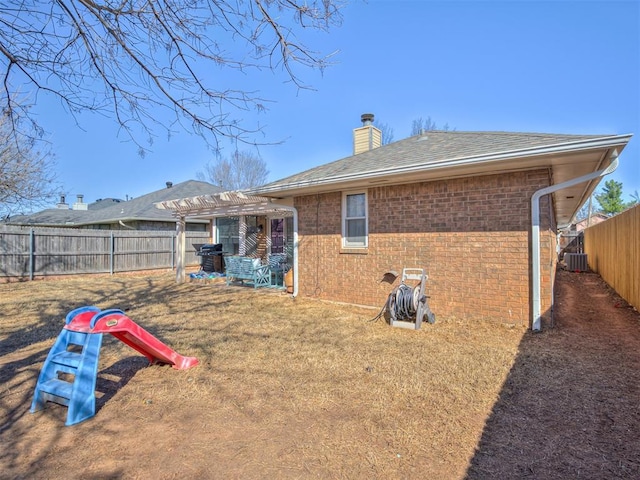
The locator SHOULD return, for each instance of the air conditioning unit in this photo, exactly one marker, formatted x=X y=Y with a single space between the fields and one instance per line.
x=576 y=262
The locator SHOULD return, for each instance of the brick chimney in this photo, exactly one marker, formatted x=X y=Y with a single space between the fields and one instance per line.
x=367 y=137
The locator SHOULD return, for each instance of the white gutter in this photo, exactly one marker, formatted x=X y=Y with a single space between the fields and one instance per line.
x=535 y=230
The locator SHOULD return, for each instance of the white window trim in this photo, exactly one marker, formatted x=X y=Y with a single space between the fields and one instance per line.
x=345 y=243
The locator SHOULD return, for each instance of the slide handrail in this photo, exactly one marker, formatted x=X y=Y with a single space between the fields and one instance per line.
x=74 y=313
x=103 y=314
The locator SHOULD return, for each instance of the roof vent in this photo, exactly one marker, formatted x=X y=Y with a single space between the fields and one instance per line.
x=367 y=119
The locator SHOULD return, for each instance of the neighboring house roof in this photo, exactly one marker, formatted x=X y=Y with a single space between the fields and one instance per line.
x=437 y=155
x=140 y=208
x=587 y=222
x=104 y=203
x=50 y=216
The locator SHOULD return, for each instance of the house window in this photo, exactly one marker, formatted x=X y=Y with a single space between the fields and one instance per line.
x=228 y=234
x=251 y=237
x=354 y=220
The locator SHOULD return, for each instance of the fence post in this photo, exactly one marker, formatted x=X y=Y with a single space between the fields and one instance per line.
x=32 y=253
x=112 y=250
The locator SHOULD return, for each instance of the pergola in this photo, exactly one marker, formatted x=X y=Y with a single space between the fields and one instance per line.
x=227 y=204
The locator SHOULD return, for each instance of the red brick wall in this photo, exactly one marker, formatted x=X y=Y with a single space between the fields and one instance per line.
x=471 y=235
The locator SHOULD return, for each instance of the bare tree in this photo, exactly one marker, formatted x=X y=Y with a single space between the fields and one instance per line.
x=420 y=125
x=387 y=131
x=585 y=211
x=27 y=178
x=157 y=64
x=241 y=171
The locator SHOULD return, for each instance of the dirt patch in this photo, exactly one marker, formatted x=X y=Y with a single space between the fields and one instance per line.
x=300 y=389
x=570 y=407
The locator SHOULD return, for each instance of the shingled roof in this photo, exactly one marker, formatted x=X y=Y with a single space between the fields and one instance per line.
x=429 y=150
x=140 y=208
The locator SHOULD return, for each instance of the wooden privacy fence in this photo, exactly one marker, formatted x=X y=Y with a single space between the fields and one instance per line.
x=35 y=252
x=613 y=250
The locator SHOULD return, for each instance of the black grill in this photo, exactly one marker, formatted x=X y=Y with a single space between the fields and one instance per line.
x=211 y=257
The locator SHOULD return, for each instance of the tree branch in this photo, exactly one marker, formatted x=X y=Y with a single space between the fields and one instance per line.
x=150 y=63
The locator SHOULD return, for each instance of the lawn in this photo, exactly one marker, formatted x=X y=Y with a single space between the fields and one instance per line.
x=295 y=389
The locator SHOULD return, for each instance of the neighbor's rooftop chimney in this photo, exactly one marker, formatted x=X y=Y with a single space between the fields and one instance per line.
x=79 y=205
x=366 y=137
x=62 y=204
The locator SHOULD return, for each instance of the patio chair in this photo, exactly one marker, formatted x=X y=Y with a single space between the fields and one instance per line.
x=277 y=265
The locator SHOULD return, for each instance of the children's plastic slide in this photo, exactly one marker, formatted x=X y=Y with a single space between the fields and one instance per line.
x=69 y=373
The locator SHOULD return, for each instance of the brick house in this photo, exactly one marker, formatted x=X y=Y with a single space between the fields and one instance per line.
x=466 y=206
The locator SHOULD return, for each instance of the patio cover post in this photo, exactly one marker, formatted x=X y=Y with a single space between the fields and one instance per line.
x=181 y=237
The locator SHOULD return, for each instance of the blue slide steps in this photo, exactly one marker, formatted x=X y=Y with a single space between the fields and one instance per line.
x=68 y=376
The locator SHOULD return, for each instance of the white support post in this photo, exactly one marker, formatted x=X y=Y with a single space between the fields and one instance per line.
x=212 y=230
x=181 y=237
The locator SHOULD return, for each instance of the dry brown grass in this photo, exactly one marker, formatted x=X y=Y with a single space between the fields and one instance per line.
x=284 y=389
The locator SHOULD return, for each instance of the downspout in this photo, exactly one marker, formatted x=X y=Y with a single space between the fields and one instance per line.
x=535 y=230
x=295 y=246
x=122 y=224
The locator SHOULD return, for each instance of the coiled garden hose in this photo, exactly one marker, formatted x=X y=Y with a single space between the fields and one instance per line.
x=402 y=304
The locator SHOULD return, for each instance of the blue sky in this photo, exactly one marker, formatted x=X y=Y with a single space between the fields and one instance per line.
x=554 y=67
